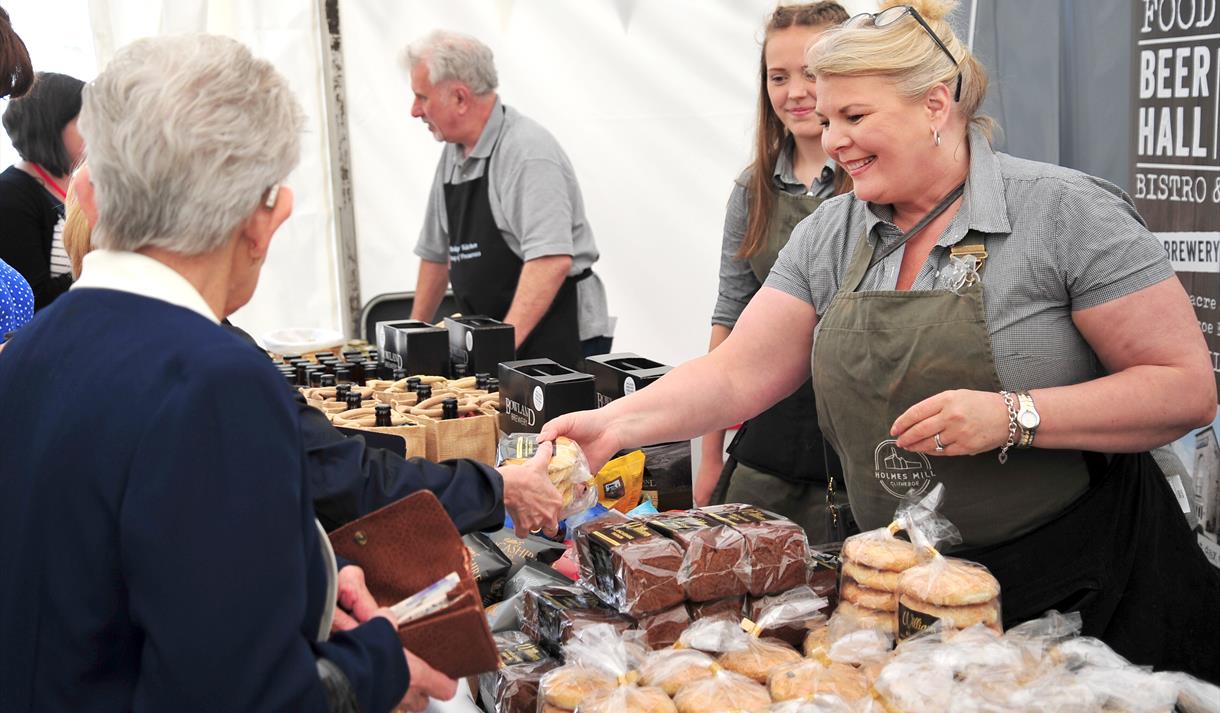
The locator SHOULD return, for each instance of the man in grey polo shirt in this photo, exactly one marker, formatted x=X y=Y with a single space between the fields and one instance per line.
x=505 y=222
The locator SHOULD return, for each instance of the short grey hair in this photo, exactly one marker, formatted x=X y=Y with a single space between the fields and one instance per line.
x=454 y=56
x=186 y=134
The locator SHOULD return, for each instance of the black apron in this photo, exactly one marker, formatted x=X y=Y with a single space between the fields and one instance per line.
x=484 y=273
x=785 y=441
x=1121 y=553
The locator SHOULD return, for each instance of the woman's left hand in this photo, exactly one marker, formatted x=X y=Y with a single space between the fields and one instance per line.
x=355 y=604
x=968 y=422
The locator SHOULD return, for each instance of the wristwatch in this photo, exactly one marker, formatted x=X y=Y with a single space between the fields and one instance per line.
x=1027 y=418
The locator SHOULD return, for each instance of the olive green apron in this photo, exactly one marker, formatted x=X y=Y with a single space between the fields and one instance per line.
x=877 y=354
x=781 y=460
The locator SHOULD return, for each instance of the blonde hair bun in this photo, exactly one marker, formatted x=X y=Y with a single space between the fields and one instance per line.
x=927 y=9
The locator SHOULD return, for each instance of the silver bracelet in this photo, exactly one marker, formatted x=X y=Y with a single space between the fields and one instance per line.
x=1010 y=403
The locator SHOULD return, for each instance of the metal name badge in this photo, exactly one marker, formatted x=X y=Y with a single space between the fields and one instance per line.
x=962 y=272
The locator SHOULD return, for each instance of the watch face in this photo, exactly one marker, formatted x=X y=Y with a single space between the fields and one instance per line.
x=1029 y=419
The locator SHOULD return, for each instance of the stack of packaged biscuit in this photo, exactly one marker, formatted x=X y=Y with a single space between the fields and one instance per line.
x=568 y=469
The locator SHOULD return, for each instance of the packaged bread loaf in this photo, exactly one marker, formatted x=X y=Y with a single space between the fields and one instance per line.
x=663 y=628
x=716 y=562
x=513 y=688
x=733 y=607
x=553 y=615
x=777 y=547
x=628 y=565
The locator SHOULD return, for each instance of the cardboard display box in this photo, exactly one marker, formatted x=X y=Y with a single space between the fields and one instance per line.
x=619 y=375
x=480 y=343
x=534 y=391
x=416 y=347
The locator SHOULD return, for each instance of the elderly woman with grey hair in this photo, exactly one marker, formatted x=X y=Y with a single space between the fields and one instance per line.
x=161 y=551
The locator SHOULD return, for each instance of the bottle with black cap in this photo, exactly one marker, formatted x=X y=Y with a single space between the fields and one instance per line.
x=413 y=383
x=459 y=370
x=289 y=358
x=315 y=376
x=341 y=392
x=480 y=380
x=449 y=408
x=398 y=374
x=353 y=400
x=343 y=375
x=302 y=365
x=382 y=413
x=493 y=385
x=356 y=367
x=327 y=380
x=423 y=392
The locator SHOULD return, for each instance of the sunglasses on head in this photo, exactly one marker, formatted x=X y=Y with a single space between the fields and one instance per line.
x=891 y=15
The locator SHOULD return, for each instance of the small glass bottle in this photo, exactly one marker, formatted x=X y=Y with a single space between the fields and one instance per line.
x=382 y=413
x=493 y=385
x=341 y=392
x=398 y=374
x=413 y=383
x=481 y=379
x=459 y=370
x=449 y=408
x=353 y=400
x=343 y=375
x=327 y=380
x=423 y=392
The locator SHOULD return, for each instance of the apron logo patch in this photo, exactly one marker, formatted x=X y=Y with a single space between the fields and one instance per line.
x=901 y=472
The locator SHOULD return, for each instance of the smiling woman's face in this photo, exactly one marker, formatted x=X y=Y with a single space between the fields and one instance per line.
x=882 y=140
x=791 y=89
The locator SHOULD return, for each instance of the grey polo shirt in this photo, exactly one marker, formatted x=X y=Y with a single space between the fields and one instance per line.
x=738 y=283
x=535 y=201
x=1057 y=241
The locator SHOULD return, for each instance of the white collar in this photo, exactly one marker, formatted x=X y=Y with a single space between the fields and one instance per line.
x=141 y=275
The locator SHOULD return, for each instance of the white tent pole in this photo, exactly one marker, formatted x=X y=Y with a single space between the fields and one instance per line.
x=334 y=95
x=974 y=12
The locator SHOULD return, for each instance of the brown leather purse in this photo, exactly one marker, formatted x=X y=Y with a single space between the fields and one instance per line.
x=406 y=546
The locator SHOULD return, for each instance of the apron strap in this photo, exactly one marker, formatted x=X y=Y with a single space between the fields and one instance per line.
x=866 y=257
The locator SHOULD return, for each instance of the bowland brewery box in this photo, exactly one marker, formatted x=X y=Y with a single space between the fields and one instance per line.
x=480 y=343
x=533 y=391
x=619 y=375
x=417 y=347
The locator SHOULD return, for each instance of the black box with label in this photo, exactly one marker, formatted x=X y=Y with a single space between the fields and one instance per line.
x=533 y=391
x=619 y=375
x=480 y=343
x=416 y=347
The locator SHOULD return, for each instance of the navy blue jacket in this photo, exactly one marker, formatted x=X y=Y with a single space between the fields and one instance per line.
x=158 y=548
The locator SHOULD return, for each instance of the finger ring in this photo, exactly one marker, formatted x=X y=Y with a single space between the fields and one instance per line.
x=939 y=446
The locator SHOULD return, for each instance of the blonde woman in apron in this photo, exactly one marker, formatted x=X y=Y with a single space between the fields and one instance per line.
x=1007 y=328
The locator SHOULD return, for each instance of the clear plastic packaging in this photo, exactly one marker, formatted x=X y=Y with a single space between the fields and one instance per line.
x=628 y=565
x=716 y=561
x=722 y=692
x=778 y=548
x=600 y=648
x=671 y=669
x=788 y=616
x=568 y=468
x=513 y=688
x=759 y=656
